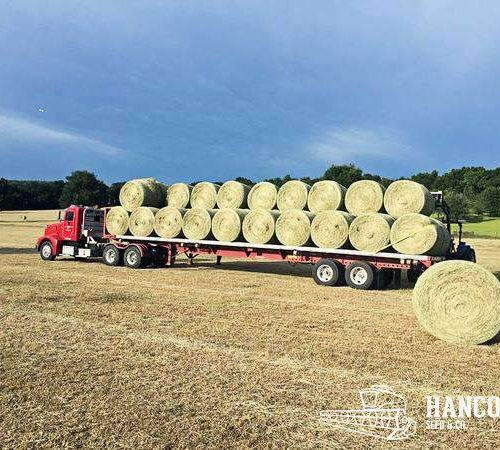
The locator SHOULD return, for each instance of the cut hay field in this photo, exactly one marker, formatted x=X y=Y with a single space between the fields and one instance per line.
x=489 y=226
x=243 y=355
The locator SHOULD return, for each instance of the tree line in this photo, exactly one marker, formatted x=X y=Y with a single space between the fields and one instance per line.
x=469 y=191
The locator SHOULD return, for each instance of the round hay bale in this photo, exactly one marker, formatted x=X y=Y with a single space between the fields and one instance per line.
x=168 y=222
x=142 y=221
x=259 y=226
x=262 y=195
x=458 y=302
x=406 y=196
x=364 y=196
x=417 y=234
x=330 y=229
x=371 y=232
x=293 y=227
x=117 y=219
x=178 y=195
x=326 y=195
x=232 y=194
x=227 y=224
x=197 y=223
x=204 y=195
x=142 y=192
x=293 y=195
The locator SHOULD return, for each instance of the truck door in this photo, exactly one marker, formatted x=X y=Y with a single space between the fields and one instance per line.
x=68 y=225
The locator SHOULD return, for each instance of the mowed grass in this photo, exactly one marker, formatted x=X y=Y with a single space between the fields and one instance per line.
x=245 y=355
x=489 y=226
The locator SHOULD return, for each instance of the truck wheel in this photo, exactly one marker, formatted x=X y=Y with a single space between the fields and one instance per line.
x=132 y=257
x=46 y=251
x=112 y=255
x=326 y=272
x=360 y=275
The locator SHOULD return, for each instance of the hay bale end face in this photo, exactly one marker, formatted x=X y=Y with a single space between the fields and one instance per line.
x=326 y=195
x=371 y=232
x=142 y=221
x=117 y=220
x=204 y=195
x=293 y=195
x=293 y=227
x=262 y=196
x=458 y=302
x=330 y=229
x=259 y=226
x=142 y=192
x=197 y=223
x=233 y=194
x=364 y=196
x=168 y=222
x=227 y=224
x=178 y=195
x=406 y=196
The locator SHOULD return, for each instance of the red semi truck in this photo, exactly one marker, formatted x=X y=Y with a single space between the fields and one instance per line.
x=82 y=233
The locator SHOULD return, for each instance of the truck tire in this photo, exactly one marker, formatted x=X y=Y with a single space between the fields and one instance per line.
x=112 y=256
x=360 y=275
x=46 y=251
x=133 y=257
x=326 y=272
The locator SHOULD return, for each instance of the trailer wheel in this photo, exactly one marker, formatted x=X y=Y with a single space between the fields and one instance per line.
x=112 y=255
x=326 y=272
x=132 y=257
x=360 y=275
x=47 y=252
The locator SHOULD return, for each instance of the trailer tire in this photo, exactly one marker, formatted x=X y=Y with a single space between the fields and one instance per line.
x=326 y=272
x=360 y=275
x=46 y=251
x=112 y=255
x=132 y=257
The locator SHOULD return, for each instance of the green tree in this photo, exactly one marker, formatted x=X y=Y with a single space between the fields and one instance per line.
x=459 y=205
x=244 y=180
x=114 y=193
x=429 y=179
x=83 y=188
x=489 y=200
x=345 y=174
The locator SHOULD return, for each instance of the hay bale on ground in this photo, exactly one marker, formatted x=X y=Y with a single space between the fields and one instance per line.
x=364 y=196
x=233 y=194
x=458 y=302
x=142 y=221
x=417 y=234
x=142 y=192
x=406 y=196
x=293 y=195
x=371 y=232
x=262 y=195
x=168 y=222
x=204 y=195
x=293 y=227
x=178 y=195
x=330 y=229
x=117 y=219
x=326 y=195
x=227 y=224
x=197 y=223
x=259 y=226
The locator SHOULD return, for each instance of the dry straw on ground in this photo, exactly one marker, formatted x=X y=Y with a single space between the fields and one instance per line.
x=178 y=195
x=417 y=234
x=364 y=196
x=168 y=222
x=117 y=219
x=371 y=232
x=406 y=196
x=293 y=195
x=233 y=194
x=197 y=223
x=204 y=195
x=330 y=229
x=326 y=195
x=227 y=224
x=142 y=221
x=293 y=227
x=142 y=192
x=262 y=195
x=259 y=226
x=459 y=302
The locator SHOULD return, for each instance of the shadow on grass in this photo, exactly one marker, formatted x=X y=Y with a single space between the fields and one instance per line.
x=16 y=251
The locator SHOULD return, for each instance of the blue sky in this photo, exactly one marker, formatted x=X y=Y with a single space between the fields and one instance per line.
x=190 y=90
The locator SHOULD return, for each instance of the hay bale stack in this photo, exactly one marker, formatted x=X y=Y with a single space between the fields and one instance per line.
x=364 y=196
x=417 y=234
x=168 y=222
x=227 y=224
x=293 y=227
x=406 y=196
x=178 y=195
x=142 y=221
x=371 y=232
x=197 y=223
x=259 y=226
x=330 y=229
x=262 y=195
x=117 y=219
x=233 y=194
x=326 y=195
x=459 y=302
x=142 y=192
x=204 y=195
x=293 y=195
